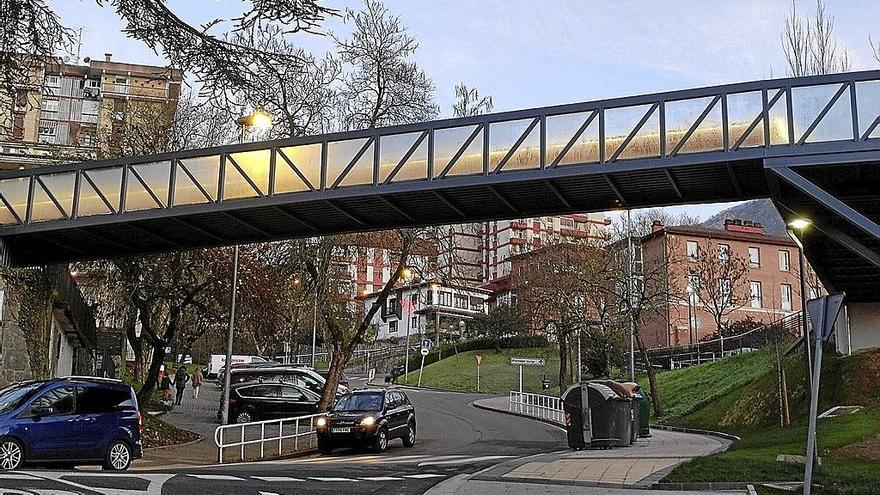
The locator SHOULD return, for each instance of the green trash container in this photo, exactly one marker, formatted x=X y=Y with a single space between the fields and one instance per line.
x=644 y=400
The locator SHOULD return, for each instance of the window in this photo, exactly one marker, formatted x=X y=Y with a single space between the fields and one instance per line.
x=292 y=393
x=693 y=250
x=784 y=260
x=785 y=293
x=414 y=299
x=724 y=252
x=47 y=128
x=694 y=287
x=49 y=105
x=755 y=295
x=59 y=399
x=392 y=326
x=414 y=322
x=445 y=298
x=476 y=304
x=754 y=256
x=120 y=85
x=99 y=400
x=461 y=301
x=93 y=83
x=724 y=290
x=260 y=391
x=392 y=305
x=567 y=222
x=53 y=81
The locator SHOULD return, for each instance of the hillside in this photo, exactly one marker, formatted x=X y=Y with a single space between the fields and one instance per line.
x=759 y=210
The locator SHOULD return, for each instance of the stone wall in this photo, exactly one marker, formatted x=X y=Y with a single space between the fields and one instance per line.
x=14 y=363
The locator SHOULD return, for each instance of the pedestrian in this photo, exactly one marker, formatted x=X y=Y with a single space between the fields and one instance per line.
x=180 y=380
x=197 y=380
x=165 y=385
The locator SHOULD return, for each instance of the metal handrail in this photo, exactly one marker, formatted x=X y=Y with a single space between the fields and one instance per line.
x=537 y=406
x=220 y=435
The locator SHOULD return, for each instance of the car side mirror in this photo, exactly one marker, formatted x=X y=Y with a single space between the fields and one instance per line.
x=41 y=411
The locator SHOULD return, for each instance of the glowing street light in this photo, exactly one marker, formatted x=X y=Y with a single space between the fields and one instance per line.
x=799 y=224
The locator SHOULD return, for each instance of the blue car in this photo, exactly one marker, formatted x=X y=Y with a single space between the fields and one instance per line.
x=74 y=420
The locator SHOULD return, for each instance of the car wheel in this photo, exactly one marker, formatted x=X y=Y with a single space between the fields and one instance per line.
x=118 y=457
x=381 y=441
x=410 y=439
x=325 y=447
x=11 y=454
x=246 y=416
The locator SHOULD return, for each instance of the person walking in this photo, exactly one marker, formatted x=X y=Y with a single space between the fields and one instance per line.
x=165 y=385
x=180 y=380
x=197 y=380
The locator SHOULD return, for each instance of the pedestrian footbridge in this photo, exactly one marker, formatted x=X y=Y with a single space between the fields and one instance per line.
x=812 y=144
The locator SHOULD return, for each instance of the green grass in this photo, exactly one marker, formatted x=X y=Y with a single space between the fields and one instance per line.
x=459 y=372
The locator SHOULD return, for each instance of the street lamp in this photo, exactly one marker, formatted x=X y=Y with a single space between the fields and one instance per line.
x=259 y=119
x=407 y=275
x=690 y=291
x=796 y=229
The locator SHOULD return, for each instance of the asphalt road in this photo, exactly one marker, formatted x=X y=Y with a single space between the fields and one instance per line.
x=453 y=438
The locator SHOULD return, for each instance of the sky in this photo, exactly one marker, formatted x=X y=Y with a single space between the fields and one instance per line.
x=527 y=53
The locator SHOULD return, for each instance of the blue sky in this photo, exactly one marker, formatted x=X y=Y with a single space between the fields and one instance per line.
x=528 y=53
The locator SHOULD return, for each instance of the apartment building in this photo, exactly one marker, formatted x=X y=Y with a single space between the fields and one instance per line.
x=71 y=111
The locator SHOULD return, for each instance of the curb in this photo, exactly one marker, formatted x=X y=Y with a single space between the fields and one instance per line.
x=191 y=442
x=513 y=413
x=697 y=431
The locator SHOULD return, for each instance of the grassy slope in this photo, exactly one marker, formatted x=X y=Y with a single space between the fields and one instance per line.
x=496 y=374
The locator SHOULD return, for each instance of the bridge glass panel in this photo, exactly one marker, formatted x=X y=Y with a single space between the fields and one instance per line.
x=682 y=115
x=744 y=111
x=109 y=182
x=561 y=129
x=206 y=171
x=393 y=148
x=286 y=178
x=502 y=138
x=186 y=192
x=340 y=155
x=306 y=159
x=449 y=142
x=251 y=164
x=42 y=207
x=157 y=177
x=90 y=202
x=61 y=187
x=621 y=122
x=137 y=195
x=14 y=195
x=778 y=114
x=809 y=102
x=868 y=101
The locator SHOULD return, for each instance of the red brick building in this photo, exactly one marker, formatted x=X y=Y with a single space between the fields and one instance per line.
x=769 y=290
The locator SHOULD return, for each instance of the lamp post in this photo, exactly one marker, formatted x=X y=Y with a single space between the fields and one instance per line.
x=629 y=297
x=261 y=120
x=690 y=296
x=796 y=230
x=407 y=276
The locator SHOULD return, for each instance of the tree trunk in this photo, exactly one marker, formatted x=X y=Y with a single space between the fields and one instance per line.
x=146 y=391
x=563 y=364
x=656 y=399
x=328 y=397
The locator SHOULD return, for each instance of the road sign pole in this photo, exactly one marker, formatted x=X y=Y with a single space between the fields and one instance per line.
x=421 y=370
x=809 y=461
x=520 y=378
x=478 y=378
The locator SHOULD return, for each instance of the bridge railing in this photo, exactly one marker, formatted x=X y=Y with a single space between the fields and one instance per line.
x=791 y=113
x=271 y=438
x=543 y=407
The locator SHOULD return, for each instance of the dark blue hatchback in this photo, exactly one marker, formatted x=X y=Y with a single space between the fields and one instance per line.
x=74 y=420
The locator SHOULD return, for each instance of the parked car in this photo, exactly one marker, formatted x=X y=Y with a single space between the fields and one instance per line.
x=370 y=417
x=343 y=379
x=303 y=377
x=255 y=401
x=73 y=420
x=218 y=362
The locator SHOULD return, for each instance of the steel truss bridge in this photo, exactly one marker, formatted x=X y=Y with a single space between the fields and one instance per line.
x=812 y=144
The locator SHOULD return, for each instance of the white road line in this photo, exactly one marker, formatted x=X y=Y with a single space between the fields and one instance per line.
x=17 y=476
x=269 y=493
x=424 y=476
x=381 y=478
x=465 y=460
x=216 y=477
x=331 y=479
x=441 y=458
x=276 y=478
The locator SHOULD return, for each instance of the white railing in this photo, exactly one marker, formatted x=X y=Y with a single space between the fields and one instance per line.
x=537 y=406
x=269 y=431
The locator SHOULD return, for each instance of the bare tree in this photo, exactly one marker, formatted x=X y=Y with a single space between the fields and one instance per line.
x=383 y=86
x=810 y=46
x=719 y=282
x=469 y=103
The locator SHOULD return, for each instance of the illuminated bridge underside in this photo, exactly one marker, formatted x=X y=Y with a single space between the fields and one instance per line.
x=776 y=138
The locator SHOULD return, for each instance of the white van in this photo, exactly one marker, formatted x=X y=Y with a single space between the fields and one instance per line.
x=218 y=361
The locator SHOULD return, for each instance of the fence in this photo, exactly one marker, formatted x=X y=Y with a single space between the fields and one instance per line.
x=538 y=406
x=267 y=432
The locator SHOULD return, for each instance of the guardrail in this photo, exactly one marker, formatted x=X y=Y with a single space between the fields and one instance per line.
x=269 y=431
x=538 y=406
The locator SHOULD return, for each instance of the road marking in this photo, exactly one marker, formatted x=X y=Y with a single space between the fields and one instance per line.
x=424 y=476
x=276 y=478
x=14 y=476
x=331 y=479
x=465 y=460
x=382 y=478
x=216 y=477
x=269 y=493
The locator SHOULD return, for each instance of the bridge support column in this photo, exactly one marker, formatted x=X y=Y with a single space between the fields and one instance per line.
x=864 y=327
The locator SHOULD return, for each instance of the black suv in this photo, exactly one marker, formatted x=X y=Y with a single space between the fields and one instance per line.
x=253 y=401
x=368 y=418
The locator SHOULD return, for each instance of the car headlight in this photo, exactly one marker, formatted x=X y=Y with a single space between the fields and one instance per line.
x=368 y=421
x=322 y=422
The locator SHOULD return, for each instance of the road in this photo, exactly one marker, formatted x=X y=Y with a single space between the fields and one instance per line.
x=453 y=438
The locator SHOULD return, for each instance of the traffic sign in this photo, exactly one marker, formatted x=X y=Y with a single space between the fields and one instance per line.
x=527 y=361
x=479 y=359
x=424 y=351
x=427 y=344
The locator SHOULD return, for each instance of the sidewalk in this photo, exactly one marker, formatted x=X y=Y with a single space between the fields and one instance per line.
x=612 y=471
x=196 y=415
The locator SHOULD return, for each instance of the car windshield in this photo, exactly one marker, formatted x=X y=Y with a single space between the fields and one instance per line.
x=360 y=402
x=12 y=397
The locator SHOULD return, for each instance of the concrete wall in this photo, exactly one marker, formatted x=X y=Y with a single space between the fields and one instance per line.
x=864 y=324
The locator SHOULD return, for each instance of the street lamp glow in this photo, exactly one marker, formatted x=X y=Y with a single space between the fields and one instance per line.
x=260 y=119
x=799 y=223
x=407 y=273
